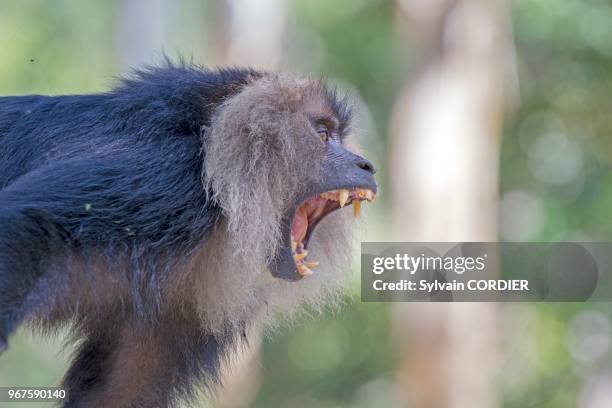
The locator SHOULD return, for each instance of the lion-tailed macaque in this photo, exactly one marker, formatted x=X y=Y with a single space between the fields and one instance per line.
x=162 y=220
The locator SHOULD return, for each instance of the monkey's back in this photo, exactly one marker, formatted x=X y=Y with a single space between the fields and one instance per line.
x=158 y=107
x=123 y=165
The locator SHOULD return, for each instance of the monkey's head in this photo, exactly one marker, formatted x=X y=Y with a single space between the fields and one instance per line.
x=280 y=163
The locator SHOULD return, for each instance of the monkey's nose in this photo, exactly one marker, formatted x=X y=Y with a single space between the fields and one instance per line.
x=366 y=165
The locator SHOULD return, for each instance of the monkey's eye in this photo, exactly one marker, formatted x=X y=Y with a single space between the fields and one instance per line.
x=323 y=133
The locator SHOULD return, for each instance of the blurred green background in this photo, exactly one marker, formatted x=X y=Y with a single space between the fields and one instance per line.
x=555 y=180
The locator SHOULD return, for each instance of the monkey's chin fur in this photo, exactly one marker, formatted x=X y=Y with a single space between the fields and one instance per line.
x=257 y=296
x=311 y=212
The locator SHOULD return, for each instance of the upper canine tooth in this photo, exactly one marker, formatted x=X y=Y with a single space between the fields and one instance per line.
x=293 y=244
x=356 y=208
x=343 y=197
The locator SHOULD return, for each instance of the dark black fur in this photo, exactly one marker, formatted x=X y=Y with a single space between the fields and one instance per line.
x=118 y=176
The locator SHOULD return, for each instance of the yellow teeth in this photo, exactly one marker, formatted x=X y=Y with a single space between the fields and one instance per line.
x=330 y=195
x=293 y=244
x=304 y=271
x=343 y=197
x=365 y=194
x=300 y=256
x=311 y=264
x=356 y=208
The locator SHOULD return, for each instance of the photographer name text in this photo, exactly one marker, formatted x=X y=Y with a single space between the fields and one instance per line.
x=458 y=265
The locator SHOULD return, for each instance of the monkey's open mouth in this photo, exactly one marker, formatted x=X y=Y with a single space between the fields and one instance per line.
x=312 y=211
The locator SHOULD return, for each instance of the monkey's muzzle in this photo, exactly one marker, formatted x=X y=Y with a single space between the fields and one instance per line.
x=347 y=179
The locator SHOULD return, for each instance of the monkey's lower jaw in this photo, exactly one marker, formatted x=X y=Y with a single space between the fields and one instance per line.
x=312 y=211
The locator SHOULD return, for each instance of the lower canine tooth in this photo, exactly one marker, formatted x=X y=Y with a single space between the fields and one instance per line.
x=343 y=197
x=311 y=264
x=356 y=208
x=300 y=256
x=304 y=271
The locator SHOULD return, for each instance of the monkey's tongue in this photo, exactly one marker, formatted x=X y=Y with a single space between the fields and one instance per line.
x=300 y=225
x=312 y=209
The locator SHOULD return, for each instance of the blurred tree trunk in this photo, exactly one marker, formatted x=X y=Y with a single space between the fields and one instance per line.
x=445 y=145
x=248 y=33
x=141 y=31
